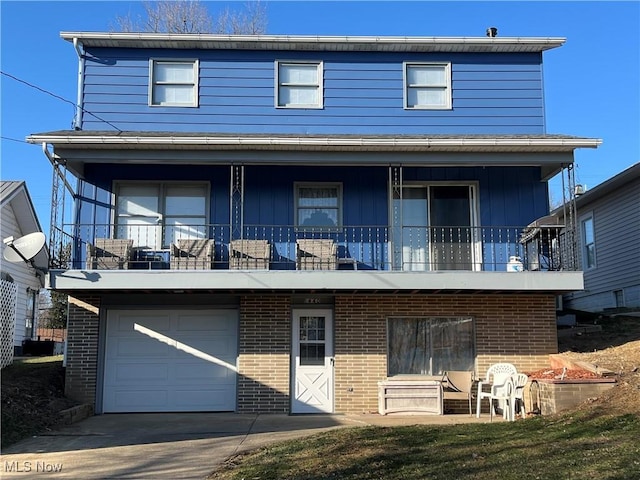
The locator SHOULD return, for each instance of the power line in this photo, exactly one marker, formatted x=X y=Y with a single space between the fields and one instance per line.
x=13 y=139
x=59 y=98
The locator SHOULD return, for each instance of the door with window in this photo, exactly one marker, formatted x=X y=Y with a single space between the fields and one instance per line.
x=312 y=356
x=155 y=215
x=434 y=228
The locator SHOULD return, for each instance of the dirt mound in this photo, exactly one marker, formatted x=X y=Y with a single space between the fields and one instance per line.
x=616 y=348
x=32 y=398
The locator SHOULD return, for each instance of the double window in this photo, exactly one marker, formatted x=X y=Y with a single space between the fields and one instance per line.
x=173 y=83
x=588 y=238
x=155 y=215
x=318 y=205
x=427 y=86
x=429 y=346
x=299 y=84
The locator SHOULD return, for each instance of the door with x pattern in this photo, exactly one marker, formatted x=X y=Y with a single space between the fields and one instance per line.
x=312 y=356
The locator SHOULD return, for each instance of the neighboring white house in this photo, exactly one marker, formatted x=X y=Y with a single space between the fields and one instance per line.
x=608 y=244
x=21 y=282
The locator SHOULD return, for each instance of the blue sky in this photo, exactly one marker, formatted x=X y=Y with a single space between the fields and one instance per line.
x=592 y=83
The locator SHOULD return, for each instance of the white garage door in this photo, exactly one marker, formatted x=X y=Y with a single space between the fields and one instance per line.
x=170 y=361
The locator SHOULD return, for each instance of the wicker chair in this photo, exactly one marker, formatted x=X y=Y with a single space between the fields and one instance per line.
x=316 y=254
x=249 y=254
x=109 y=254
x=190 y=254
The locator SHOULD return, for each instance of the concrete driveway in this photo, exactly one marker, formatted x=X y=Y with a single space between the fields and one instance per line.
x=170 y=445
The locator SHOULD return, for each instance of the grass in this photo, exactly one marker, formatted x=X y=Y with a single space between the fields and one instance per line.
x=581 y=445
x=32 y=397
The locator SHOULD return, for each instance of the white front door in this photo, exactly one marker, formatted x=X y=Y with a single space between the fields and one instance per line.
x=312 y=350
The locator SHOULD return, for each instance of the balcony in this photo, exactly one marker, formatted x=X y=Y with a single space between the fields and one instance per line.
x=371 y=258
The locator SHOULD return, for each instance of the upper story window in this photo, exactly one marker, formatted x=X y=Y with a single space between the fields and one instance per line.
x=588 y=238
x=299 y=84
x=318 y=205
x=427 y=86
x=173 y=83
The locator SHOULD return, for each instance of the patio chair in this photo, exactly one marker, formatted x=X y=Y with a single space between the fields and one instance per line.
x=109 y=253
x=519 y=382
x=457 y=385
x=316 y=254
x=189 y=254
x=249 y=254
x=497 y=378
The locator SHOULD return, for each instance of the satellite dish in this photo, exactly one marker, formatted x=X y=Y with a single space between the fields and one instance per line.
x=24 y=248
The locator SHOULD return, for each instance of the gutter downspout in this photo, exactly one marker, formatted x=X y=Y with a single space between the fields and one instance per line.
x=77 y=121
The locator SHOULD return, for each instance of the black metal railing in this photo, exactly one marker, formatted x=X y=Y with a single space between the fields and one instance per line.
x=415 y=248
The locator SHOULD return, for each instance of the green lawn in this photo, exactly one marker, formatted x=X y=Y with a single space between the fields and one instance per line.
x=584 y=445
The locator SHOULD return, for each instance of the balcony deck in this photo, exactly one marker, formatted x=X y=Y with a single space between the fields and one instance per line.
x=289 y=259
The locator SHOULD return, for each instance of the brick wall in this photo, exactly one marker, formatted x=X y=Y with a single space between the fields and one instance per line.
x=82 y=348
x=520 y=329
x=264 y=356
x=555 y=397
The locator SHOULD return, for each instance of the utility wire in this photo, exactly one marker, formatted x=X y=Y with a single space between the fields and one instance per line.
x=59 y=98
x=13 y=139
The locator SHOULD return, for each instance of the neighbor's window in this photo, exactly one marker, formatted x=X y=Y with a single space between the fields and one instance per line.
x=427 y=85
x=173 y=83
x=318 y=205
x=299 y=84
x=588 y=243
x=429 y=346
x=32 y=296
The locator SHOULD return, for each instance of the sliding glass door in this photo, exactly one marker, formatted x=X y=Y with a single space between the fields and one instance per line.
x=434 y=227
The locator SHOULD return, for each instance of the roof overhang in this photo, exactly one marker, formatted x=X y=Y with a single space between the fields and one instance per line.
x=78 y=148
x=387 y=143
x=314 y=43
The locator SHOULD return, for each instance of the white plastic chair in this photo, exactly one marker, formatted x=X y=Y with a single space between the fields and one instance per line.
x=517 y=403
x=498 y=378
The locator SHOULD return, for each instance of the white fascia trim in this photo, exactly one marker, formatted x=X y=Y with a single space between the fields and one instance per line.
x=314 y=141
x=263 y=41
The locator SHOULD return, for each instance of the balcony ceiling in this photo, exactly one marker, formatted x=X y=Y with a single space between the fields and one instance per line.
x=315 y=43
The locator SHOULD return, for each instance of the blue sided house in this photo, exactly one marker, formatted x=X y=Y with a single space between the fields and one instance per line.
x=278 y=223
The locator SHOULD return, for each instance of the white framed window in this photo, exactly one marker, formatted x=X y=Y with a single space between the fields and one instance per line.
x=588 y=241
x=427 y=86
x=155 y=215
x=318 y=205
x=298 y=84
x=173 y=83
x=429 y=345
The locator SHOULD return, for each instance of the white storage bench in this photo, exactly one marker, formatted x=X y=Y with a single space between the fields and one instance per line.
x=410 y=397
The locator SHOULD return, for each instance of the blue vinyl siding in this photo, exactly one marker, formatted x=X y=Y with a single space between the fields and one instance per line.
x=508 y=196
x=363 y=94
